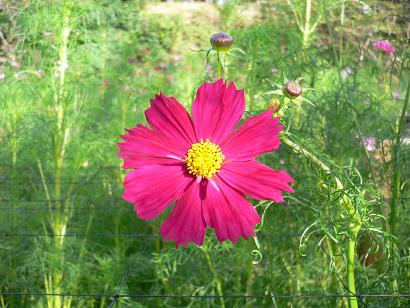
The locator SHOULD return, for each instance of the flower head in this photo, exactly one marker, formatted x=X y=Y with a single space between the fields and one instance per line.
x=385 y=46
x=204 y=163
x=221 y=41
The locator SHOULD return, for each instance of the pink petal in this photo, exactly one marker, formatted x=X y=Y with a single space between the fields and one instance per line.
x=256 y=136
x=143 y=146
x=185 y=224
x=170 y=118
x=256 y=180
x=216 y=110
x=385 y=46
x=153 y=188
x=228 y=212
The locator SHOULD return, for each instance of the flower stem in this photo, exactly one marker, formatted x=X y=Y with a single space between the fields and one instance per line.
x=307 y=30
x=350 y=269
x=216 y=276
x=59 y=220
x=220 y=67
x=395 y=187
x=353 y=226
x=342 y=19
x=333 y=252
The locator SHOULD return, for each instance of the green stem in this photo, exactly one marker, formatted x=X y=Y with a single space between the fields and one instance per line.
x=307 y=30
x=395 y=187
x=354 y=225
x=216 y=276
x=220 y=67
x=249 y=285
x=59 y=221
x=351 y=252
x=250 y=84
x=342 y=19
x=333 y=253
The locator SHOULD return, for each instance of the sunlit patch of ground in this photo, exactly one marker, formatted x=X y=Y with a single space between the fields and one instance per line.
x=246 y=14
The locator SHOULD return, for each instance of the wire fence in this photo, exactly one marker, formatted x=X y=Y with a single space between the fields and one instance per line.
x=118 y=295
x=139 y=235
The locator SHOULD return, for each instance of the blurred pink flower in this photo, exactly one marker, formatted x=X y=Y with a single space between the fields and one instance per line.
x=204 y=163
x=370 y=144
x=208 y=67
x=396 y=95
x=274 y=70
x=176 y=57
x=385 y=46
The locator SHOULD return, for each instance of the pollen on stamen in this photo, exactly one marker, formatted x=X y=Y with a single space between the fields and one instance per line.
x=204 y=159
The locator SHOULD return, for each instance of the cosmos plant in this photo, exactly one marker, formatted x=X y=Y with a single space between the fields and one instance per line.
x=206 y=164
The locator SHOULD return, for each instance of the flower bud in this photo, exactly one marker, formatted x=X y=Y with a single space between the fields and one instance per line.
x=274 y=105
x=293 y=89
x=221 y=41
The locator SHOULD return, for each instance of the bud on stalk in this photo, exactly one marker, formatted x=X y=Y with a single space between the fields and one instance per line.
x=293 y=89
x=221 y=41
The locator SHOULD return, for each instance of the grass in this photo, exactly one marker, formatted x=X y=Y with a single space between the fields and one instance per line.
x=76 y=73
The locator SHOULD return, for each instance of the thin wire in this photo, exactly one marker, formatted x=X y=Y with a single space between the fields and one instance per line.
x=116 y=296
x=4 y=235
x=66 y=168
x=79 y=180
x=203 y=296
x=359 y=297
x=97 y=199
x=55 y=208
x=73 y=198
x=282 y=234
x=83 y=235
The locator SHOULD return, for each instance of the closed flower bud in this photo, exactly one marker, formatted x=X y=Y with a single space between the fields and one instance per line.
x=274 y=105
x=293 y=89
x=221 y=41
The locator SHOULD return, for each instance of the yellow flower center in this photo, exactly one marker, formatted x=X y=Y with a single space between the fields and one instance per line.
x=204 y=159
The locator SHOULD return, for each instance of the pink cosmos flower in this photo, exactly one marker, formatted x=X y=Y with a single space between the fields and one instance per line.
x=204 y=163
x=384 y=46
x=370 y=144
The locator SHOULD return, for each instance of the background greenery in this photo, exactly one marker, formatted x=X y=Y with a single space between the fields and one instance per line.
x=74 y=74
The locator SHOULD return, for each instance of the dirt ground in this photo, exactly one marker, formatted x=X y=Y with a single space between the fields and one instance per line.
x=245 y=14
